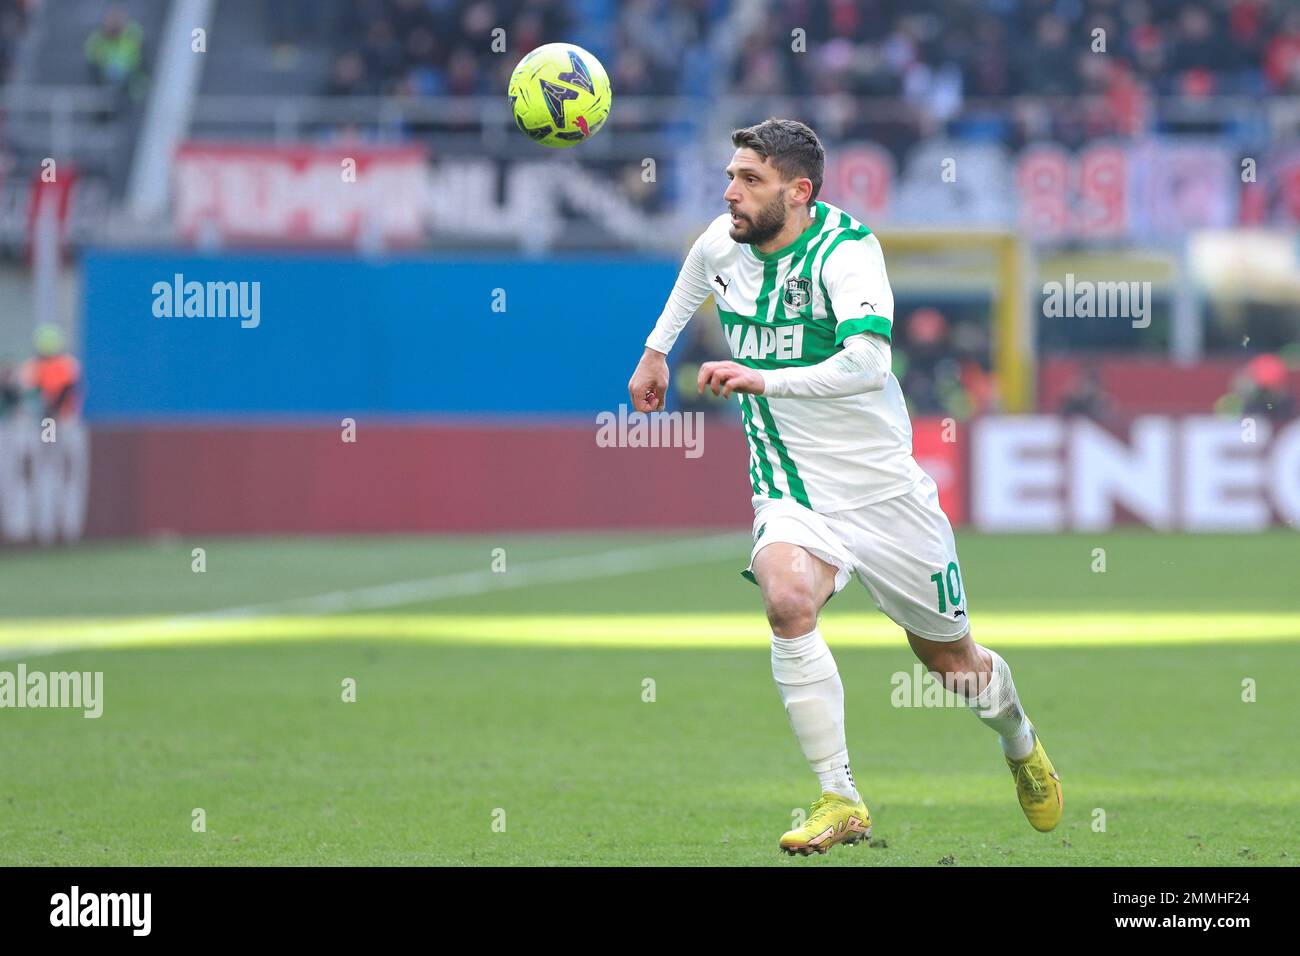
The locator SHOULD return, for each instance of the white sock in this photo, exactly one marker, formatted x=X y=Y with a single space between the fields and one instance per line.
x=813 y=695
x=998 y=707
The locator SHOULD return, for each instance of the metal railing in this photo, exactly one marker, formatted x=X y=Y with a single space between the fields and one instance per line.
x=483 y=123
x=66 y=119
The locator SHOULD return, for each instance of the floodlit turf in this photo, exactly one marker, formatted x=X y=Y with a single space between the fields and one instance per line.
x=504 y=701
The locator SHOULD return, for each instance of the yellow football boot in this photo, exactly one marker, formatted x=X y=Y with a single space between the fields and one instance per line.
x=1038 y=787
x=833 y=820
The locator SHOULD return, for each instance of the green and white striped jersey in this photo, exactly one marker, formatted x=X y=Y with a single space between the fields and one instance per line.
x=795 y=307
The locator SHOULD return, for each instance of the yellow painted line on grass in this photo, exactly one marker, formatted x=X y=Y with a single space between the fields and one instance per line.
x=732 y=630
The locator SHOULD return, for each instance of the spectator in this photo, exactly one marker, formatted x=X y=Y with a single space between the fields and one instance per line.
x=383 y=56
x=1086 y=398
x=11 y=392
x=347 y=75
x=115 y=53
x=53 y=376
x=925 y=347
x=1282 y=58
x=13 y=22
x=1262 y=388
x=1199 y=54
x=1047 y=65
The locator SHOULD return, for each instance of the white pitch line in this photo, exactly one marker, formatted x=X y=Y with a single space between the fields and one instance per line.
x=602 y=564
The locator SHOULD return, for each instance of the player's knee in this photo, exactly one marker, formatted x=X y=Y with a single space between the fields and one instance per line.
x=791 y=610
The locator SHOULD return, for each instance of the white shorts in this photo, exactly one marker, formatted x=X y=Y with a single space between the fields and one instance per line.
x=901 y=549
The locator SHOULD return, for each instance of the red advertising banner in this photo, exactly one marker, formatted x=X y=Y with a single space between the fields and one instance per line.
x=48 y=204
x=1031 y=473
x=286 y=479
x=278 y=479
x=937 y=449
x=1136 y=384
x=330 y=195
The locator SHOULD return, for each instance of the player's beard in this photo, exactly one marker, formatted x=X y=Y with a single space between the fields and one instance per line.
x=767 y=224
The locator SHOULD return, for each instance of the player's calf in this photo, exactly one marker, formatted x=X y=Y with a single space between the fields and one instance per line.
x=961 y=665
x=983 y=678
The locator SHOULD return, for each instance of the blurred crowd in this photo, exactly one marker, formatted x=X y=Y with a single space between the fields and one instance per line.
x=1011 y=47
x=444 y=47
x=934 y=56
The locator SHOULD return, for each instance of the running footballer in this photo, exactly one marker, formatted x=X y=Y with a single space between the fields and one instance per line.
x=806 y=306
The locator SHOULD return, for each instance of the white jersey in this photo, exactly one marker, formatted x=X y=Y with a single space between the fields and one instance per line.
x=795 y=307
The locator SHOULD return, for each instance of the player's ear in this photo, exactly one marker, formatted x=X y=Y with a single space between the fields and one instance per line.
x=801 y=191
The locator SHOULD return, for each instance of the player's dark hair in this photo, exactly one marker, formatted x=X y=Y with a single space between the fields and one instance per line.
x=792 y=147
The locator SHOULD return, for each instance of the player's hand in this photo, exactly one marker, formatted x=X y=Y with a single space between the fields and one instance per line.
x=730 y=377
x=648 y=387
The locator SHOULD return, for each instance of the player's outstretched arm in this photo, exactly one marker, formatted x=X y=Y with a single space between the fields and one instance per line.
x=649 y=385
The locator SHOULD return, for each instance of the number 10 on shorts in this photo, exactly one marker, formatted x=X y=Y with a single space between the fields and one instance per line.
x=952 y=580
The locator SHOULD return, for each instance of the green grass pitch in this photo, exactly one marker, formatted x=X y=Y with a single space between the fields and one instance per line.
x=500 y=716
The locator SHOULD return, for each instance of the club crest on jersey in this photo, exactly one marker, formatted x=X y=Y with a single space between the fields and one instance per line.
x=798 y=291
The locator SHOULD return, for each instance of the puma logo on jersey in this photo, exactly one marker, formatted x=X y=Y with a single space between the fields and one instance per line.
x=781 y=342
x=718 y=280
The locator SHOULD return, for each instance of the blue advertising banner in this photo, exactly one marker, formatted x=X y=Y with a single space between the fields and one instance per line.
x=181 y=336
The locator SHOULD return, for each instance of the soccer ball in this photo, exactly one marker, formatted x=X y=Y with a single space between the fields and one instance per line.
x=559 y=95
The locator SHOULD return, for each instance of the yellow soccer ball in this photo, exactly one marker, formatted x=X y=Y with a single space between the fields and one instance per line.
x=559 y=95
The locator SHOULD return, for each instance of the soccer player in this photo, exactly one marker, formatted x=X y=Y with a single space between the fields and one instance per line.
x=801 y=289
